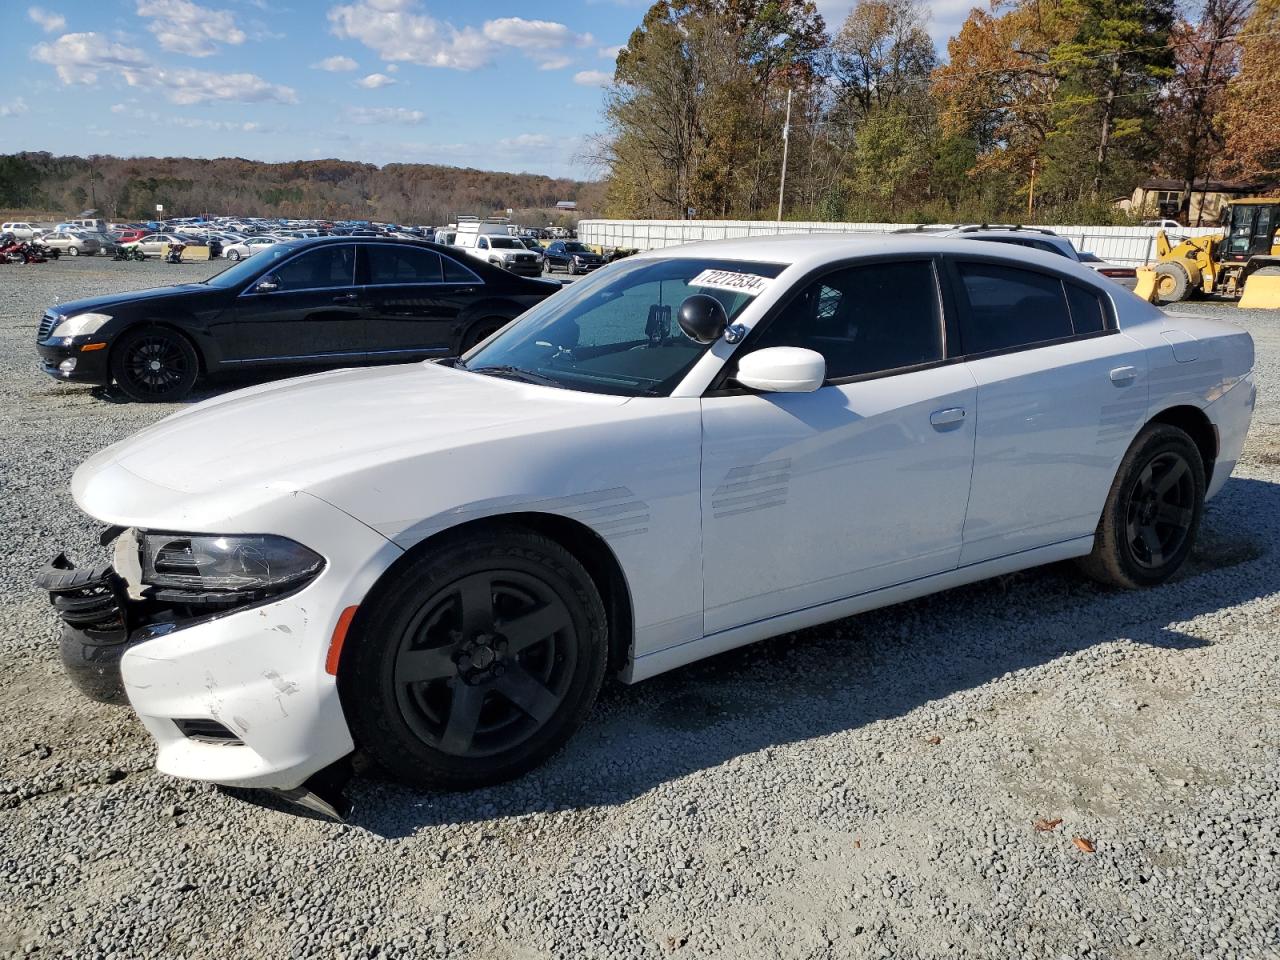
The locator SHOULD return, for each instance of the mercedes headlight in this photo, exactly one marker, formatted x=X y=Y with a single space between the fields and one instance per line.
x=257 y=565
x=81 y=325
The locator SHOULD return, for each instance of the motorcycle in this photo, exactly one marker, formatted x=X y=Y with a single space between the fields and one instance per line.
x=175 y=253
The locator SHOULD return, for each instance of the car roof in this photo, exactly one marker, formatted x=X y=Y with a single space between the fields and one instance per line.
x=809 y=251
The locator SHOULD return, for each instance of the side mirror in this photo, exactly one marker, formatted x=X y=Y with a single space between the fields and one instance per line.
x=268 y=284
x=702 y=318
x=783 y=370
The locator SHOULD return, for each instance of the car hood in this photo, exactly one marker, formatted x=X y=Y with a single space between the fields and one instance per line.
x=93 y=304
x=292 y=435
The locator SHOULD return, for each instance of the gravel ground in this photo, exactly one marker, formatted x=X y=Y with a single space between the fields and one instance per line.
x=865 y=789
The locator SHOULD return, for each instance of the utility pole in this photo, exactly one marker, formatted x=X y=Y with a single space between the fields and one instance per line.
x=1031 y=191
x=786 y=142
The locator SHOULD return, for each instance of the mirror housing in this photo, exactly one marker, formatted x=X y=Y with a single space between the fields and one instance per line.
x=783 y=370
x=702 y=318
x=268 y=284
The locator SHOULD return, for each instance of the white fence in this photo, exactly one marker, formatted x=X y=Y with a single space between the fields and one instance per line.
x=1126 y=245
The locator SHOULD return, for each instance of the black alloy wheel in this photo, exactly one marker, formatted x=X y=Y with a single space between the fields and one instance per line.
x=477 y=659
x=1152 y=514
x=155 y=365
x=1160 y=511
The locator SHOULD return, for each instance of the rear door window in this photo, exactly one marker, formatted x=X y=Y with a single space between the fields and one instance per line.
x=394 y=265
x=326 y=266
x=1088 y=309
x=1006 y=308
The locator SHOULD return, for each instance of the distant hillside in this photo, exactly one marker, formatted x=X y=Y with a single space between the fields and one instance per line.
x=130 y=188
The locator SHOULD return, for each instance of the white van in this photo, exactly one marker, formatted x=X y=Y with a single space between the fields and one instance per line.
x=89 y=226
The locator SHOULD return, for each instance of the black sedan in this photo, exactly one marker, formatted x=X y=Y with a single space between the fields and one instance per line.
x=334 y=300
x=571 y=256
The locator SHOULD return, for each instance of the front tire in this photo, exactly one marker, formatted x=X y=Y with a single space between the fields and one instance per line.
x=1152 y=515
x=74 y=251
x=475 y=661
x=1173 y=285
x=155 y=365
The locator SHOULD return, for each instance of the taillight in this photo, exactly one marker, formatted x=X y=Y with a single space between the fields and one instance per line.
x=1119 y=272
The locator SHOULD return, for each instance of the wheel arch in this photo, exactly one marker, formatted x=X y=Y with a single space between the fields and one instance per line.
x=1196 y=424
x=588 y=548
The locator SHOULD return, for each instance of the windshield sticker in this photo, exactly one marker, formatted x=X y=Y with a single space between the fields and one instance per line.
x=747 y=283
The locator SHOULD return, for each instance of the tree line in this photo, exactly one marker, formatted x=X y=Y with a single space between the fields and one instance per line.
x=130 y=189
x=1042 y=109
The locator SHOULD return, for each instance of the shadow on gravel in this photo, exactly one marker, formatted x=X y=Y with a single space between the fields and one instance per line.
x=855 y=672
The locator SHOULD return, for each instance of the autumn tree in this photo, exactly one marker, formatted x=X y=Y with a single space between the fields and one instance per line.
x=1251 y=116
x=1206 y=58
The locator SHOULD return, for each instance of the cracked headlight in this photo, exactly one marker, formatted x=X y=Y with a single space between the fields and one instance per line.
x=231 y=565
x=82 y=324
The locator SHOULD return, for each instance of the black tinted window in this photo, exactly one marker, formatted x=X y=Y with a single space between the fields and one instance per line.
x=327 y=266
x=388 y=264
x=864 y=319
x=1008 y=307
x=455 y=272
x=1088 y=312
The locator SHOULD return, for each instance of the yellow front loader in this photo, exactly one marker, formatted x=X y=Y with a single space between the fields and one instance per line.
x=1242 y=262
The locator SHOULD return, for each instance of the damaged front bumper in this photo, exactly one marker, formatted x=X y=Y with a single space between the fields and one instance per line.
x=92 y=603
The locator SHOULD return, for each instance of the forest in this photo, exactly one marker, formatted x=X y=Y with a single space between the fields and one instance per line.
x=129 y=188
x=1040 y=110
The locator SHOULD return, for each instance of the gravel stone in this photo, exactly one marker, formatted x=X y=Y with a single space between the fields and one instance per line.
x=868 y=788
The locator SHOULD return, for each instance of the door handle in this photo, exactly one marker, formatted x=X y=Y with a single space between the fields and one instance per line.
x=1124 y=375
x=947 y=417
x=346 y=298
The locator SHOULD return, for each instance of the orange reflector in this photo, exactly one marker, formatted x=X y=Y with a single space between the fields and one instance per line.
x=89 y=347
x=339 y=638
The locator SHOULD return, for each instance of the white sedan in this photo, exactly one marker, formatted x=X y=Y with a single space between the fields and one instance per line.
x=692 y=449
x=247 y=247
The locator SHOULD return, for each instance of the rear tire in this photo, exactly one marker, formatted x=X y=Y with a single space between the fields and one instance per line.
x=1172 y=283
x=74 y=251
x=233 y=256
x=482 y=330
x=154 y=365
x=1152 y=515
x=475 y=661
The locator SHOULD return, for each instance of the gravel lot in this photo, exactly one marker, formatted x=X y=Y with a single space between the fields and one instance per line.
x=865 y=789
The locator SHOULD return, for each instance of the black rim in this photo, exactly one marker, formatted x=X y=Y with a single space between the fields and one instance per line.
x=156 y=364
x=485 y=663
x=1160 y=510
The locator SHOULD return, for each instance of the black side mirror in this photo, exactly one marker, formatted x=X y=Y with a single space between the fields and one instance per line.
x=702 y=318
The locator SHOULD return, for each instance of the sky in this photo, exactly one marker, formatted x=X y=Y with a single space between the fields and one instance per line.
x=497 y=85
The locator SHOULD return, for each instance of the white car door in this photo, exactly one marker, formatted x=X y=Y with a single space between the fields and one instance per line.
x=814 y=497
x=1061 y=393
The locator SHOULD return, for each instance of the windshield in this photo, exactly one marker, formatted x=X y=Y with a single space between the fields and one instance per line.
x=246 y=270
x=617 y=331
x=504 y=243
x=576 y=248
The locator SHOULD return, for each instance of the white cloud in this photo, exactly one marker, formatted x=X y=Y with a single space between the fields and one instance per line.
x=336 y=64
x=183 y=27
x=199 y=86
x=367 y=115
x=592 y=78
x=391 y=67
x=49 y=22
x=87 y=57
x=14 y=108
x=118 y=108
x=398 y=30
x=527 y=141
x=81 y=57
x=611 y=53
x=375 y=80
